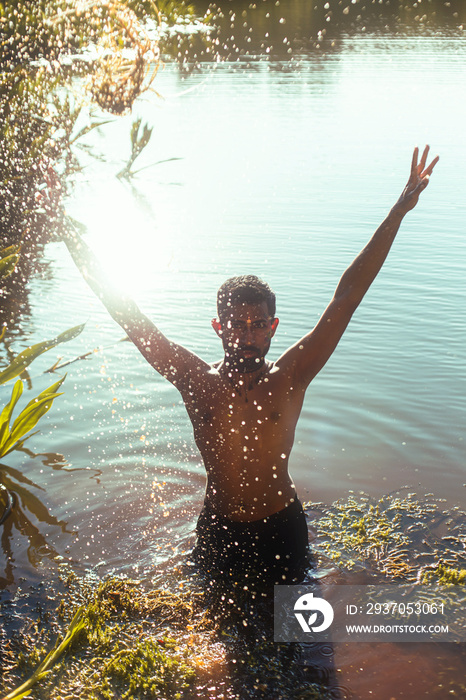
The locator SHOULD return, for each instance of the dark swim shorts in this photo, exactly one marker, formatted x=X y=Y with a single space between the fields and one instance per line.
x=274 y=549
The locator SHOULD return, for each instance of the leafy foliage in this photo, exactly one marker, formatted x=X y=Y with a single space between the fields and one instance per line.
x=138 y=143
x=107 y=628
x=24 y=358
x=399 y=537
x=8 y=260
x=43 y=669
x=39 y=103
x=12 y=438
x=14 y=435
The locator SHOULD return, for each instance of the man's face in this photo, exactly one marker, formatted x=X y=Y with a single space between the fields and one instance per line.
x=246 y=334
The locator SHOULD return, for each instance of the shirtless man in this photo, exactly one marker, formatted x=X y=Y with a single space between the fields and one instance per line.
x=244 y=408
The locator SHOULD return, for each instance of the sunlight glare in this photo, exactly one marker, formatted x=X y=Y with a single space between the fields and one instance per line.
x=131 y=249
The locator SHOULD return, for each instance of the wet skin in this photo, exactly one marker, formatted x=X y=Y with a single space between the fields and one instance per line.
x=244 y=409
x=244 y=421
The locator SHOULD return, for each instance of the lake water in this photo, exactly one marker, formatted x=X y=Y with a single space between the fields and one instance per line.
x=286 y=162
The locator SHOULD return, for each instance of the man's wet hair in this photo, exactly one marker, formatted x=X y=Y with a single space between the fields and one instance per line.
x=245 y=289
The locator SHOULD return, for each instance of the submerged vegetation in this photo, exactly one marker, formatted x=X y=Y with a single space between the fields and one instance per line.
x=123 y=639
x=122 y=642
x=396 y=537
x=126 y=642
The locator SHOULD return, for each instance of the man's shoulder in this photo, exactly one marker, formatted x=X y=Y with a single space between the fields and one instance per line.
x=204 y=372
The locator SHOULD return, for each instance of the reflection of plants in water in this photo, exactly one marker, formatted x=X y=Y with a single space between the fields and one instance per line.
x=16 y=519
x=140 y=136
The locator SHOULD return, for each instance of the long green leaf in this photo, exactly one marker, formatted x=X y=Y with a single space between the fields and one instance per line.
x=7 y=265
x=78 y=622
x=85 y=130
x=11 y=250
x=25 y=357
x=50 y=390
x=151 y=165
x=26 y=420
x=5 y=415
x=19 y=444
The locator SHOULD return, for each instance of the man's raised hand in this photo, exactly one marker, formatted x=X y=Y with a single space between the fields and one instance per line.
x=418 y=179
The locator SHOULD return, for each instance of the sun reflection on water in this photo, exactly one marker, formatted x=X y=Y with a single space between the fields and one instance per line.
x=132 y=249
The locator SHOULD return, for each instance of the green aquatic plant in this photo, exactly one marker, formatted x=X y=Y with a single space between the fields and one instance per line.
x=14 y=437
x=359 y=528
x=135 y=643
x=395 y=536
x=14 y=434
x=147 y=669
x=138 y=142
x=138 y=642
x=141 y=643
x=24 y=358
x=443 y=575
x=51 y=659
x=8 y=260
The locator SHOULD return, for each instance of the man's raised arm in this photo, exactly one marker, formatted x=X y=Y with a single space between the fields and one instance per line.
x=170 y=359
x=311 y=353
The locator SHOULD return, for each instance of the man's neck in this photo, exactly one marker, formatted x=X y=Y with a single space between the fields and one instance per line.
x=240 y=371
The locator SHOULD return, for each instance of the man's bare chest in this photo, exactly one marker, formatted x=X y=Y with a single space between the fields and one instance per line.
x=243 y=405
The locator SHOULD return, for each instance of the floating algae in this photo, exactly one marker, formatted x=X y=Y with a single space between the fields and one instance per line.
x=130 y=643
x=444 y=575
x=396 y=538
x=138 y=643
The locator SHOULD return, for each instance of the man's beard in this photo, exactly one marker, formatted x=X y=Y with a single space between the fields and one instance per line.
x=236 y=360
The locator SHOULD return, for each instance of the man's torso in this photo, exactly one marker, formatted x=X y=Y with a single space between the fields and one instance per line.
x=244 y=426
